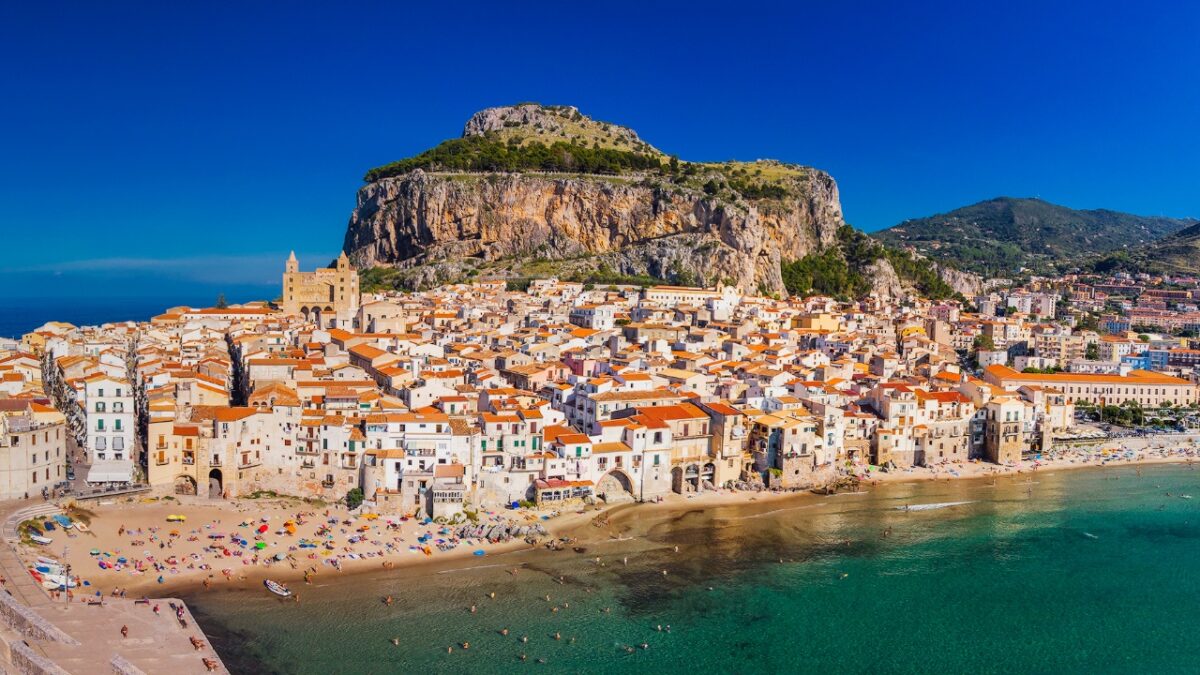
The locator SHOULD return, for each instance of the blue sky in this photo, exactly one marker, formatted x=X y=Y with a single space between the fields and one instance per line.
x=150 y=147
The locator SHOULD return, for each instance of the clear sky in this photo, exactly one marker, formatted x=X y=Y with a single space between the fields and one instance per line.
x=150 y=147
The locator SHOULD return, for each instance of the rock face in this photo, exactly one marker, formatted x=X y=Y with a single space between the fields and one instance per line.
x=885 y=283
x=547 y=121
x=631 y=225
x=967 y=283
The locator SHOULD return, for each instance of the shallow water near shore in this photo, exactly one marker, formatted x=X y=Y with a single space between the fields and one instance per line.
x=1088 y=570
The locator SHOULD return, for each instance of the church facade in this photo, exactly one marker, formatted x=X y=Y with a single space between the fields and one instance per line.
x=321 y=295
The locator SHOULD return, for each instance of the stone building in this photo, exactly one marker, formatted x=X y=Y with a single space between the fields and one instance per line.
x=32 y=448
x=325 y=295
x=1005 y=439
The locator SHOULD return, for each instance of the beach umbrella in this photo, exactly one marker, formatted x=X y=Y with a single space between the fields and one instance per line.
x=280 y=556
x=260 y=545
x=94 y=551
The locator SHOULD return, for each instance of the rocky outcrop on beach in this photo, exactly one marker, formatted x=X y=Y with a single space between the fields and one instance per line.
x=499 y=532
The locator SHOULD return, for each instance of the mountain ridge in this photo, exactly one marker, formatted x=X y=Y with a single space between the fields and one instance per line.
x=1005 y=236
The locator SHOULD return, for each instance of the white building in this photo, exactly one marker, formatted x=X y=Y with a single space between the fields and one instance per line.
x=108 y=406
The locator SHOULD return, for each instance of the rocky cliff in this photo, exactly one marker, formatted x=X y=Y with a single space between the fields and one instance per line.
x=632 y=226
x=547 y=189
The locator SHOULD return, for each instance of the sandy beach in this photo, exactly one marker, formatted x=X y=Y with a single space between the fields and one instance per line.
x=132 y=546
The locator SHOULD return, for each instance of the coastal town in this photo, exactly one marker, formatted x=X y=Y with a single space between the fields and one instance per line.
x=490 y=396
x=334 y=429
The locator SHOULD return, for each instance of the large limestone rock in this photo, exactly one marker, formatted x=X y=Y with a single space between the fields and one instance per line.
x=633 y=225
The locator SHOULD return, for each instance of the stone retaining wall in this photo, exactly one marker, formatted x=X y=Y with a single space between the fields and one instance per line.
x=122 y=667
x=28 y=623
x=28 y=662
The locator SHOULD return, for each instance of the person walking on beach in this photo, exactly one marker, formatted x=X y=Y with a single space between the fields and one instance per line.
x=124 y=631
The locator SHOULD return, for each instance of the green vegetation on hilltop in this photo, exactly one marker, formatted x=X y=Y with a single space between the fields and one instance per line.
x=488 y=153
x=1000 y=237
x=755 y=181
x=1177 y=253
x=838 y=271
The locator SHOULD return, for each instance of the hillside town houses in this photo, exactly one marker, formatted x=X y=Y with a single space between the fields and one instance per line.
x=477 y=394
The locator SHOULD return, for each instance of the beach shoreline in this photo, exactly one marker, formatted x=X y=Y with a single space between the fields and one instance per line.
x=139 y=528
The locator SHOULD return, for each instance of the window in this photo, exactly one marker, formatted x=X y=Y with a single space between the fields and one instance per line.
x=99 y=406
x=100 y=425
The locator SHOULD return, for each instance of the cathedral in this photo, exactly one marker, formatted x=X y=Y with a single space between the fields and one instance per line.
x=321 y=295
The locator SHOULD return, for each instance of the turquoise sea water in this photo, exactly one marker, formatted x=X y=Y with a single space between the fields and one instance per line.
x=1076 y=571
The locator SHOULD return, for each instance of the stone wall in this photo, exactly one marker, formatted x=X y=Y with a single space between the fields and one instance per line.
x=29 y=662
x=28 y=623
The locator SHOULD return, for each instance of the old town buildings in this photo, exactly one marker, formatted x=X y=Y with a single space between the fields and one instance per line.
x=473 y=395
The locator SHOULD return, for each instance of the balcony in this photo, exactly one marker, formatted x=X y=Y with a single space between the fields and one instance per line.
x=216 y=460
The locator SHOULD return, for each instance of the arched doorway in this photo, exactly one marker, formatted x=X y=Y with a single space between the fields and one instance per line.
x=214 y=484
x=615 y=486
x=708 y=476
x=185 y=485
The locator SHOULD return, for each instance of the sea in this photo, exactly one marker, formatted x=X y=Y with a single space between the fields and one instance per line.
x=19 y=315
x=1074 y=571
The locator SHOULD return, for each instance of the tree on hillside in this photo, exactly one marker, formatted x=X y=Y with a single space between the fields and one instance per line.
x=221 y=302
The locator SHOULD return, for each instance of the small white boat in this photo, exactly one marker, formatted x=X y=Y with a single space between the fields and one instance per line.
x=277 y=588
x=39 y=539
x=55 y=582
x=80 y=526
